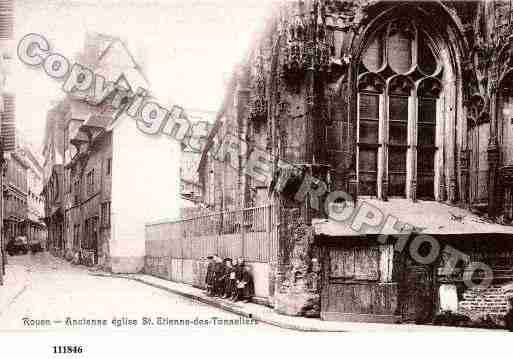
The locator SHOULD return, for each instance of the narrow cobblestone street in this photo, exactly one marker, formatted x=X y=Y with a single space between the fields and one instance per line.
x=53 y=292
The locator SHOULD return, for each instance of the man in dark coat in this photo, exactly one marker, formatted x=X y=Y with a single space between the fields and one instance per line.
x=238 y=272
x=249 y=288
x=508 y=319
x=245 y=288
x=209 y=276
x=218 y=272
x=229 y=278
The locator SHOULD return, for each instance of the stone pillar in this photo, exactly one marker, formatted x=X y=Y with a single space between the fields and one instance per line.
x=243 y=127
x=493 y=157
x=450 y=150
x=493 y=162
x=464 y=173
x=297 y=275
x=310 y=123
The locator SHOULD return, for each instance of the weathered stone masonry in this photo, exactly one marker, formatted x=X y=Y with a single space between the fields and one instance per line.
x=299 y=96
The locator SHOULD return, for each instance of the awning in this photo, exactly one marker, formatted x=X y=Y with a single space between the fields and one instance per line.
x=427 y=217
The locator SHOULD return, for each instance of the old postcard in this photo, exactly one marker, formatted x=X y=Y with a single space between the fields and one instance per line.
x=244 y=167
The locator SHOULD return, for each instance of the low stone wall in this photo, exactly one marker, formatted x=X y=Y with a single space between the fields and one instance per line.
x=491 y=302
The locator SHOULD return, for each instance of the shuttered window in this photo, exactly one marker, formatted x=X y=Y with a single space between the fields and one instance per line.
x=355 y=263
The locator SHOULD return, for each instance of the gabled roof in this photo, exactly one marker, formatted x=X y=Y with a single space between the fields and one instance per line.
x=133 y=72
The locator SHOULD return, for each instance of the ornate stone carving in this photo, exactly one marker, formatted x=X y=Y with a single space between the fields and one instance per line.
x=258 y=100
x=478 y=109
x=430 y=87
x=452 y=189
x=493 y=152
x=401 y=85
x=298 y=289
x=413 y=190
x=464 y=161
x=371 y=82
x=307 y=43
x=506 y=174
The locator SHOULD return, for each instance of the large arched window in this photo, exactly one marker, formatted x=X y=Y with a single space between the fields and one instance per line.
x=399 y=84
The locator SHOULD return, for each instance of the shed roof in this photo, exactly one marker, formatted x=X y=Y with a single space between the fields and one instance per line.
x=428 y=217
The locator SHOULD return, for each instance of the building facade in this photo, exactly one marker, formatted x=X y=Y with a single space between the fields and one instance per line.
x=53 y=186
x=23 y=203
x=7 y=126
x=405 y=107
x=115 y=178
x=190 y=186
x=15 y=193
x=35 y=228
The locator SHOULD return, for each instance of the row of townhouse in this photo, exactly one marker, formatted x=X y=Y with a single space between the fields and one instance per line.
x=104 y=177
x=15 y=197
x=23 y=203
x=7 y=102
x=35 y=228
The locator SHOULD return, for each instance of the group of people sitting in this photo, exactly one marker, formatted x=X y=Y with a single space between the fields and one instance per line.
x=229 y=279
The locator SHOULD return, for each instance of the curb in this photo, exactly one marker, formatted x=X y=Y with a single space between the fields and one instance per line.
x=222 y=306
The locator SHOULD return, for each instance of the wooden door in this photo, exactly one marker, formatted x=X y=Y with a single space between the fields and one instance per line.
x=478 y=166
x=417 y=299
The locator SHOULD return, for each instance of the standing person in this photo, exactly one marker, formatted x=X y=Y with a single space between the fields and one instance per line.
x=209 y=276
x=218 y=272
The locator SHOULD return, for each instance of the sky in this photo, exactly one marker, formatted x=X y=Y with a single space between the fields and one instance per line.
x=188 y=47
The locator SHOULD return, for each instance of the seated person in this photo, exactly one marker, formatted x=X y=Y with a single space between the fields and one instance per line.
x=229 y=278
x=245 y=289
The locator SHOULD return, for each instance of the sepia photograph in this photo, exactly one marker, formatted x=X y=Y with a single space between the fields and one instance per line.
x=247 y=169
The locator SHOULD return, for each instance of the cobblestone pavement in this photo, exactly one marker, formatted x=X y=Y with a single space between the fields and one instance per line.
x=52 y=295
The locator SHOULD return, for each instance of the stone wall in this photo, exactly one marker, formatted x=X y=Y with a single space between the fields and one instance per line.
x=491 y=302
x=297 y=290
